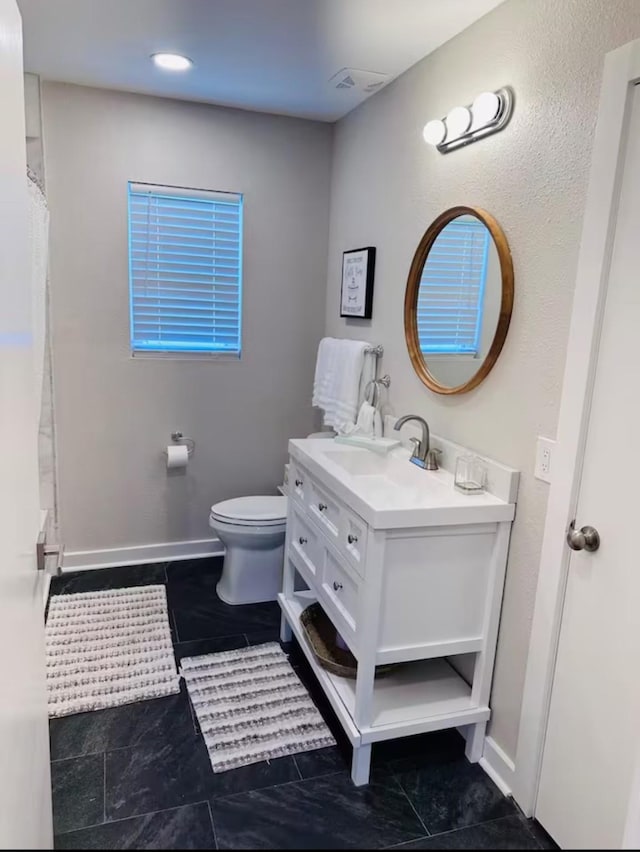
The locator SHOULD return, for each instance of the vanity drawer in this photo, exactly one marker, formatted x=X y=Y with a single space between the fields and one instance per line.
x=340 y=594
x=353 y=539
x=305 y=541
x=299 y=483
x=324 y=509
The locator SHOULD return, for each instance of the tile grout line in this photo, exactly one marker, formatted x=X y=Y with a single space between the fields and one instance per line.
x=175 y=622
x=475 y=825
x=411 y=805
x=77 y=756
x=104 y=786
x=295 y=763
x=213 y=826
x=273 y=786
x=211 y=639
x=203 y=801
x=133 y=816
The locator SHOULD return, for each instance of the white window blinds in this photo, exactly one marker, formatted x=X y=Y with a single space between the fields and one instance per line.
x=452 y=290
x=185 y=270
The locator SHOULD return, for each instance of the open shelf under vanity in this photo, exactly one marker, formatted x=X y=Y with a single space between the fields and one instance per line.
x=415 y=698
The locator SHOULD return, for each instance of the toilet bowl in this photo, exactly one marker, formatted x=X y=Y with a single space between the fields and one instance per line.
x=252 y=530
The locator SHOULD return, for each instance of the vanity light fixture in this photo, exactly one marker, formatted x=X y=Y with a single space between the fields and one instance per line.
x=172 y=61
x=457 y=122
x=434 y=132
x=489 y=113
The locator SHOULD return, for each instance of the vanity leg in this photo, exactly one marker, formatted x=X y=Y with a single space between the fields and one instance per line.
x=288 y=586
x=360 y=765
x=475 y=742
x=286 y=634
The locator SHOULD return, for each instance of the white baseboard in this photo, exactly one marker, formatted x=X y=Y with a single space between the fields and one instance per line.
x=87 y=560
x=498 y=766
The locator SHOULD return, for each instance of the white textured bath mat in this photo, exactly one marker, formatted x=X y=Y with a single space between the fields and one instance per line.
x=108 y=648
x=251 y=706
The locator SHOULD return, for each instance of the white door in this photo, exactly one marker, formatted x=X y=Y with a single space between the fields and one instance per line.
x=593 y=732
x=25 y=794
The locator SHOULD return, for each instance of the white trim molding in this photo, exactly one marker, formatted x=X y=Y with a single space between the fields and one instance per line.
x=621 y=72
x=498 y=766
x=87 y=560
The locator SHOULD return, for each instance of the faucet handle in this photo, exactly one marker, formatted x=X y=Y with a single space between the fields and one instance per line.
x=417 y=448
x=432 y=459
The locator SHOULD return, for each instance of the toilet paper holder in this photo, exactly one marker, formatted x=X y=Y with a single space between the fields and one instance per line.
x=179 y=438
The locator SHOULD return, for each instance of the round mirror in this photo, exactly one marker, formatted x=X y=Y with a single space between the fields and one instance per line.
x=458 y=301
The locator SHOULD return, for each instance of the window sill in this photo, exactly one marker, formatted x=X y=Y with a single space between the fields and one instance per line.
x=185 y=356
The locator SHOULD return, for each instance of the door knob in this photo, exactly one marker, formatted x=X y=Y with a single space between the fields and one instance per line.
x=586 y=538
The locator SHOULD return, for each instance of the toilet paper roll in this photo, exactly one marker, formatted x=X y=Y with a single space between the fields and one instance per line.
x=177 y=455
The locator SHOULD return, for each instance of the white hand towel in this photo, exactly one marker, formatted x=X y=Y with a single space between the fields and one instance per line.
x=322 y=371
x=378 y=428
x=366 y=420
x=326 y=378
x=337 y=381
x=347 y=392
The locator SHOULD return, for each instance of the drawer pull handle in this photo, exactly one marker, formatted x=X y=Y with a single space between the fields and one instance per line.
x=299 y=483
x=322 y=506
x=352 y=539
x=302 y=540
x=336 y=586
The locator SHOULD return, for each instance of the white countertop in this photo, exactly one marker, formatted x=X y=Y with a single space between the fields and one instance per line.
x=389 y=492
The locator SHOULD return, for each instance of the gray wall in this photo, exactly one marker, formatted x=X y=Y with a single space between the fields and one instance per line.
x=388 y=186
x=114 y=413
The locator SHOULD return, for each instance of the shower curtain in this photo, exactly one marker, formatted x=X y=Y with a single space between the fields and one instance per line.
x=39 y=261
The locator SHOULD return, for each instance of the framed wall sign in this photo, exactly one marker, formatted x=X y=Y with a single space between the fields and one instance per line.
x=358 y=266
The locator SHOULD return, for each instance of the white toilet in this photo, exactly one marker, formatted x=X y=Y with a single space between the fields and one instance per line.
x=252 y=530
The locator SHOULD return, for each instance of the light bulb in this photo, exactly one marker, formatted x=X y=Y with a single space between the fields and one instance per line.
x=485 y=109
x=172 y=61
x=457 y=121
x=434 y=132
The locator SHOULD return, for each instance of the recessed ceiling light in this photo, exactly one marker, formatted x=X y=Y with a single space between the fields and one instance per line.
x=171 y=61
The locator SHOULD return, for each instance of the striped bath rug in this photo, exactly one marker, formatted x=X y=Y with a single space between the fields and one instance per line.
x=108 y=648
x=251 y=706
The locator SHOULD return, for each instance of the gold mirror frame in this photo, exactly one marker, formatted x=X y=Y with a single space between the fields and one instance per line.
x=413 y=286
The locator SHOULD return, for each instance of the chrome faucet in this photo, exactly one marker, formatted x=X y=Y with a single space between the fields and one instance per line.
x=422 y=455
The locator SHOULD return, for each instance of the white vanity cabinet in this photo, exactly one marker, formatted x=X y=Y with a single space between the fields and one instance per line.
x=409 y=571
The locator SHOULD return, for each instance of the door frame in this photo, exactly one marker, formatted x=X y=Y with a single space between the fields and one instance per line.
x=621 y=73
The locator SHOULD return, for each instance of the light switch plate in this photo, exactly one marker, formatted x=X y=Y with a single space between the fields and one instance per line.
x=544 y=459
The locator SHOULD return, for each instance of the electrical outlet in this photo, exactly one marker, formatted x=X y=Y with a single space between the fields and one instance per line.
x=544 y=459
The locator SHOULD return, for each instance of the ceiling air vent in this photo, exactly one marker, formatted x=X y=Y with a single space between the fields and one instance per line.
x=365 y=81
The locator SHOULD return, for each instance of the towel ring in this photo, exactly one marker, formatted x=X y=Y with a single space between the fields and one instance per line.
x=372 y=389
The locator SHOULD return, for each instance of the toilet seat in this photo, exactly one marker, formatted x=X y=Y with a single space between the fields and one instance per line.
x=251 y=511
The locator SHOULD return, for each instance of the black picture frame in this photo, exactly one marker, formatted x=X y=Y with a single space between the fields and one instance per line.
x=356 y=292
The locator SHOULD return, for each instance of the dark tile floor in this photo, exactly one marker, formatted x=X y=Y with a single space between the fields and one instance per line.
x=139 y=777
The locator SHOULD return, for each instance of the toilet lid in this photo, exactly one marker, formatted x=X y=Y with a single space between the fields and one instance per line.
x=252 y=510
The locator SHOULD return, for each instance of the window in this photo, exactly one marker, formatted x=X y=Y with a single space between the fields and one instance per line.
x=185 y=270
x=452 y=290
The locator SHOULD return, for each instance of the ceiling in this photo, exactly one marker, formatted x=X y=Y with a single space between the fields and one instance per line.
x=268 y=55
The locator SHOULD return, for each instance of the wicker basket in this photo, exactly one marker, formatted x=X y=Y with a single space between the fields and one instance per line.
x=321 y=636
